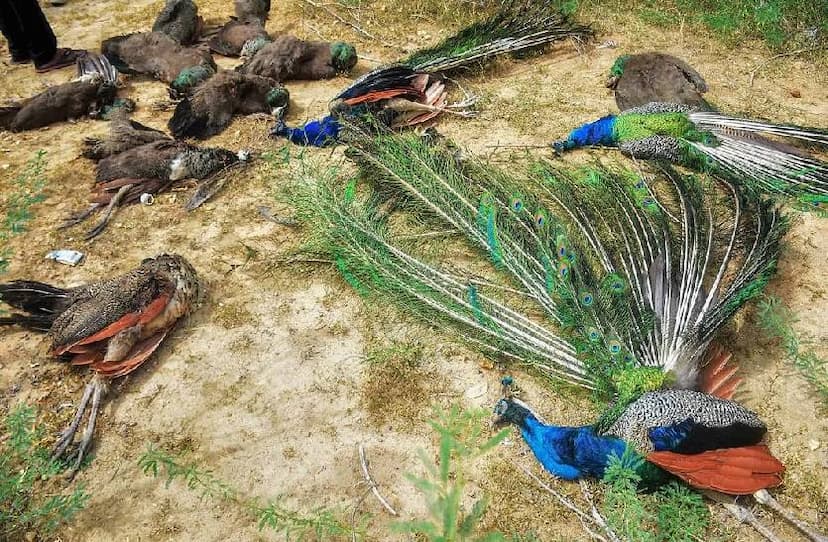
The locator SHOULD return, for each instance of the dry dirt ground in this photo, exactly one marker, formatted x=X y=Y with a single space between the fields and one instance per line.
x=268 y=383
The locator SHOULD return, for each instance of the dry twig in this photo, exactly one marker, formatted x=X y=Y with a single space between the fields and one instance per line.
x=371 y=483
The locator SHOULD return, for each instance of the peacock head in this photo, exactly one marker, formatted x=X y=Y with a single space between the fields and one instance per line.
x=343 y=55
x=251 y=47
x=510 y=410
x=277 y=99
x=120 y=107
x=188 y=79
x=617 y=70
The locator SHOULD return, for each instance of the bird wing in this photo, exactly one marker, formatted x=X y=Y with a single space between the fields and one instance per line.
x=385 y=82
x=149 y=161
x=117 y=304
x=734 y=471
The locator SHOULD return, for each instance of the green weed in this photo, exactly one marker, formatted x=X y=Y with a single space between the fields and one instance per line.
x=272 y=515
x=777 y=321
x=30 y=504
x=26 y=191
x=462 y=440
x=779 y=23
x=673 y=513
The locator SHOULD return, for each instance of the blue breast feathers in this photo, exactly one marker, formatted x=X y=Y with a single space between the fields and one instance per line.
x=570 y=452
x=316 y=133
x=599 y=132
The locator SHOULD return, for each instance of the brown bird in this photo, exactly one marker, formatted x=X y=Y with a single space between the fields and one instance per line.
x=88 y=95
x=289 y=58
x=124 y=134
x=211 y=106
x=179 y=20
x=656 y=77
x=151 y=169
x=232 y=37
x=112 y=326
x=159 y=56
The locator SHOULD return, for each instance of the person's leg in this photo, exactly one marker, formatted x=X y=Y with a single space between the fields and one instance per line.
x=36 y=29
x=12 y=30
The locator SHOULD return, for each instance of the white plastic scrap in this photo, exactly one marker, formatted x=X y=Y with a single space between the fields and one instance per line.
x=65 y=256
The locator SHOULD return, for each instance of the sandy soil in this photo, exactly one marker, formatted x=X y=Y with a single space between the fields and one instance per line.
x=267 y=383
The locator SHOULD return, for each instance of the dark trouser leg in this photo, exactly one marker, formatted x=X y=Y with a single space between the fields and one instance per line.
x=31 y=29
x=12 y=30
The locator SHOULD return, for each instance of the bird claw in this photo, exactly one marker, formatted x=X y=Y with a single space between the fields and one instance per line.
x=94 y=391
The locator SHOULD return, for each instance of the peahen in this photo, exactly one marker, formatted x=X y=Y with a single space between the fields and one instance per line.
x=146 y=171
x=640 y=79
x=179 y=19
x=230 y=39
x=413 y=91
x=161 y=57
x=619 y=283
x=211 y=105
x=90 y=94
x=757 y=155
x=288 y=58
x=112 y=326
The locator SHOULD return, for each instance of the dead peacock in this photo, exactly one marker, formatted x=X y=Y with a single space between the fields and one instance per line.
x=634 y=277
x=142 y=172
x=757 y=155
x=90 y=94
x=210 y=107
x=413 y=91
x=112 y=326
x=643 y=78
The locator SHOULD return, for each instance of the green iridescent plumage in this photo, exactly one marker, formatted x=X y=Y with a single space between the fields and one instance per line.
x=758 y=156
x=621 y=282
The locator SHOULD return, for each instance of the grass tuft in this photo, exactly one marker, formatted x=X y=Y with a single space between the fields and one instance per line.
x=271 y=515
x=674 y=513
x=26 y=191
x=777 y=321
x=462 y=440
x=31 y=504
x=781 y=24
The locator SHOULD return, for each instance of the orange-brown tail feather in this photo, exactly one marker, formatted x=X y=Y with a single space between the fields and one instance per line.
x=734 y=471
x=718 y=376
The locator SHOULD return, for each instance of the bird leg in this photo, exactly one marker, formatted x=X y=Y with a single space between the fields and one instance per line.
x=742 y=514
x=764 y=498
x=94 y=391
x=77 y=218
x=746 y=516
x=113 y=203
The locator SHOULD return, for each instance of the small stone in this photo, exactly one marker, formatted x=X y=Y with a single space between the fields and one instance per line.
x=795 y=93
x=813 y=445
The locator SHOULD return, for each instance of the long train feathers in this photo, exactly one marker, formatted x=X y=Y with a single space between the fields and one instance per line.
x=627 y=273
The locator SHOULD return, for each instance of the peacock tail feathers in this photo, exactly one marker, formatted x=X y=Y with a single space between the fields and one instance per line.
x=757 y=155
x=355 y=235
x=614 y=272
x=517 y=26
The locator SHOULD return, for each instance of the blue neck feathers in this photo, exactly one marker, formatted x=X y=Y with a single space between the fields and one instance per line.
x=599 y=132
x=570 y=452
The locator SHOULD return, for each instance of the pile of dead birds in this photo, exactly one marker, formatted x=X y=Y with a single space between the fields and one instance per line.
x=634 y=273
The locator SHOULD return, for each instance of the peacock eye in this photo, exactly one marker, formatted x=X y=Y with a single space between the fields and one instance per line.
x=586 y=299
x=516 y=204
x=540 y=220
